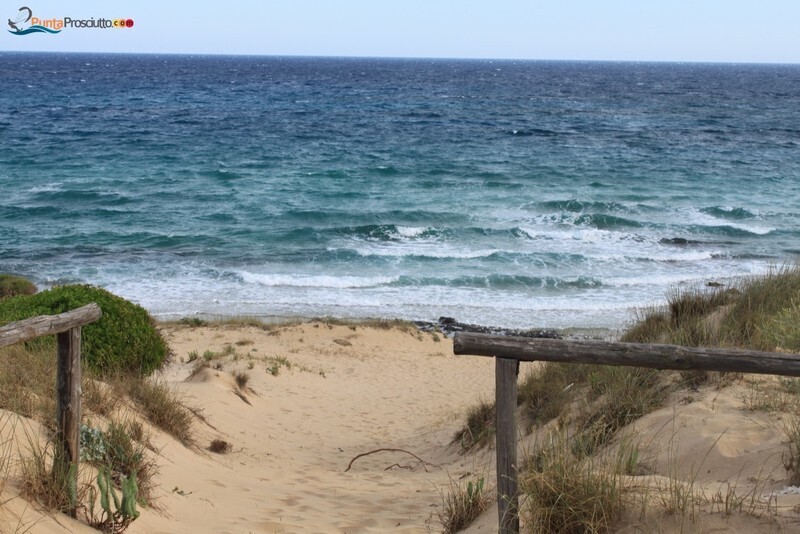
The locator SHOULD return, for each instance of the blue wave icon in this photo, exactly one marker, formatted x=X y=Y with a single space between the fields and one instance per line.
x=34 y=29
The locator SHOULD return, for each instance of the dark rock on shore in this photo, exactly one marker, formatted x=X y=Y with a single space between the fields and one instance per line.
x=450 y=326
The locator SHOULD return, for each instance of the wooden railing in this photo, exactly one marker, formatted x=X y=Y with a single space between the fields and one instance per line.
x=509 y=351
x=67 y=327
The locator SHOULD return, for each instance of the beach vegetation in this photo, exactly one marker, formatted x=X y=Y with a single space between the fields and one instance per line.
x=8 y=423
x=478 y=430
x=547 y=391
x=192 y=321
x=376 y=322
x=12 y=285
x=791 y=456
x=241 y=378
x=161 y=405
x=220 y=446
x=274 y=364
x=462 y=504
x=569 y=493
x=123 y=340
x=119 y=517
x=41 y=482
x=758 y=313
x=121 y=449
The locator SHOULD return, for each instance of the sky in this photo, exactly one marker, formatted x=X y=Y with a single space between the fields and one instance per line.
x=746 y=31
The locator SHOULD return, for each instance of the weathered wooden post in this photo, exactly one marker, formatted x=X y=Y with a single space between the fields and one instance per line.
x=68 y=407
x=67 y=326
x=506 y=373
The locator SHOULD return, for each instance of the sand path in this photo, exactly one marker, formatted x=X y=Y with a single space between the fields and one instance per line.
x=347 y=392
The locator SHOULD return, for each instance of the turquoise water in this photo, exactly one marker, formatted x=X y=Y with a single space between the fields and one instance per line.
x=516 y=194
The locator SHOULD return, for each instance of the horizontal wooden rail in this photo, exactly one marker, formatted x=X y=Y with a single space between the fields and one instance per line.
x=509 y=351
x=43 y=325
x=632 y=354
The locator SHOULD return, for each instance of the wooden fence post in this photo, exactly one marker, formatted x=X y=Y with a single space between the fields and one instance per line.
x=506 y=373
x=68 y=408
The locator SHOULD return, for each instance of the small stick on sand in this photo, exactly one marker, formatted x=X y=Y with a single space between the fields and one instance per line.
x=424 y=463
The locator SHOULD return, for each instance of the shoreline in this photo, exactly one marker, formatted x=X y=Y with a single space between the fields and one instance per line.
x=445 y=325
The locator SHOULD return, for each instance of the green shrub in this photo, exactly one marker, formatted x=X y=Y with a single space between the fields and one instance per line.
x=11 y=286
x=123 y=340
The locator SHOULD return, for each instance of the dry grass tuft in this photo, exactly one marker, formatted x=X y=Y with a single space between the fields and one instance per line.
x=220 y=446
x=462 y=504
x=27 y=383
x=41 y=482
x=161 y=405
x=791 y=456
x=241 y=378
x=569 y=494
x=547 y=391
x=479 y=428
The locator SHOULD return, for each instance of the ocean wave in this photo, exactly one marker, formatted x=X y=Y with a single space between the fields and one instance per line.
x=430 y=251
x=585 y=235
x=502 y=281
x=732 y=230
x=730 y=213
x=604 y=222
x=389 y=232
x=579 y=206
x=318 y=281
x=708 y=220
x=46 y=188
x=679 y=241
x=57 y=194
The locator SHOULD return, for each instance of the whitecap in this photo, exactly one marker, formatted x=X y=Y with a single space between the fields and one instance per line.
x=412 y=231
x=319 y=281
x=46 y=188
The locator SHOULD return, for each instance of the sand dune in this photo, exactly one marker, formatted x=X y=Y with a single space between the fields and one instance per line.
x=319 y=395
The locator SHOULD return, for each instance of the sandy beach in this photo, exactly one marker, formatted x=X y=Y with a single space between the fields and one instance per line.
x=319 y=395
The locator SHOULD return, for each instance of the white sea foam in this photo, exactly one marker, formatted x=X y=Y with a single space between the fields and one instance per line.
x=694 y=216
x=46 y=188
x=318 y=281
x=423 y=250
x=412 y=231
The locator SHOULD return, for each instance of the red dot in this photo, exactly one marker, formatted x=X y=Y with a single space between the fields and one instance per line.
x=129 y=23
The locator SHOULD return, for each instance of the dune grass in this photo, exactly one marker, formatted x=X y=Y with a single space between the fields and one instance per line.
x=759 y=313
x=479 y=428
x=567 y=485
x=569 y=493
x=462 y=503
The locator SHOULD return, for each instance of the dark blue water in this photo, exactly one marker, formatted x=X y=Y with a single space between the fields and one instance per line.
x=503 y=192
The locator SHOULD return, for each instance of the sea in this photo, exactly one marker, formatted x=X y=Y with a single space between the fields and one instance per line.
x=508 y=193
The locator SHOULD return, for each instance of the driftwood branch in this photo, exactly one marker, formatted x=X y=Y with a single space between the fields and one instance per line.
x=424 y=463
